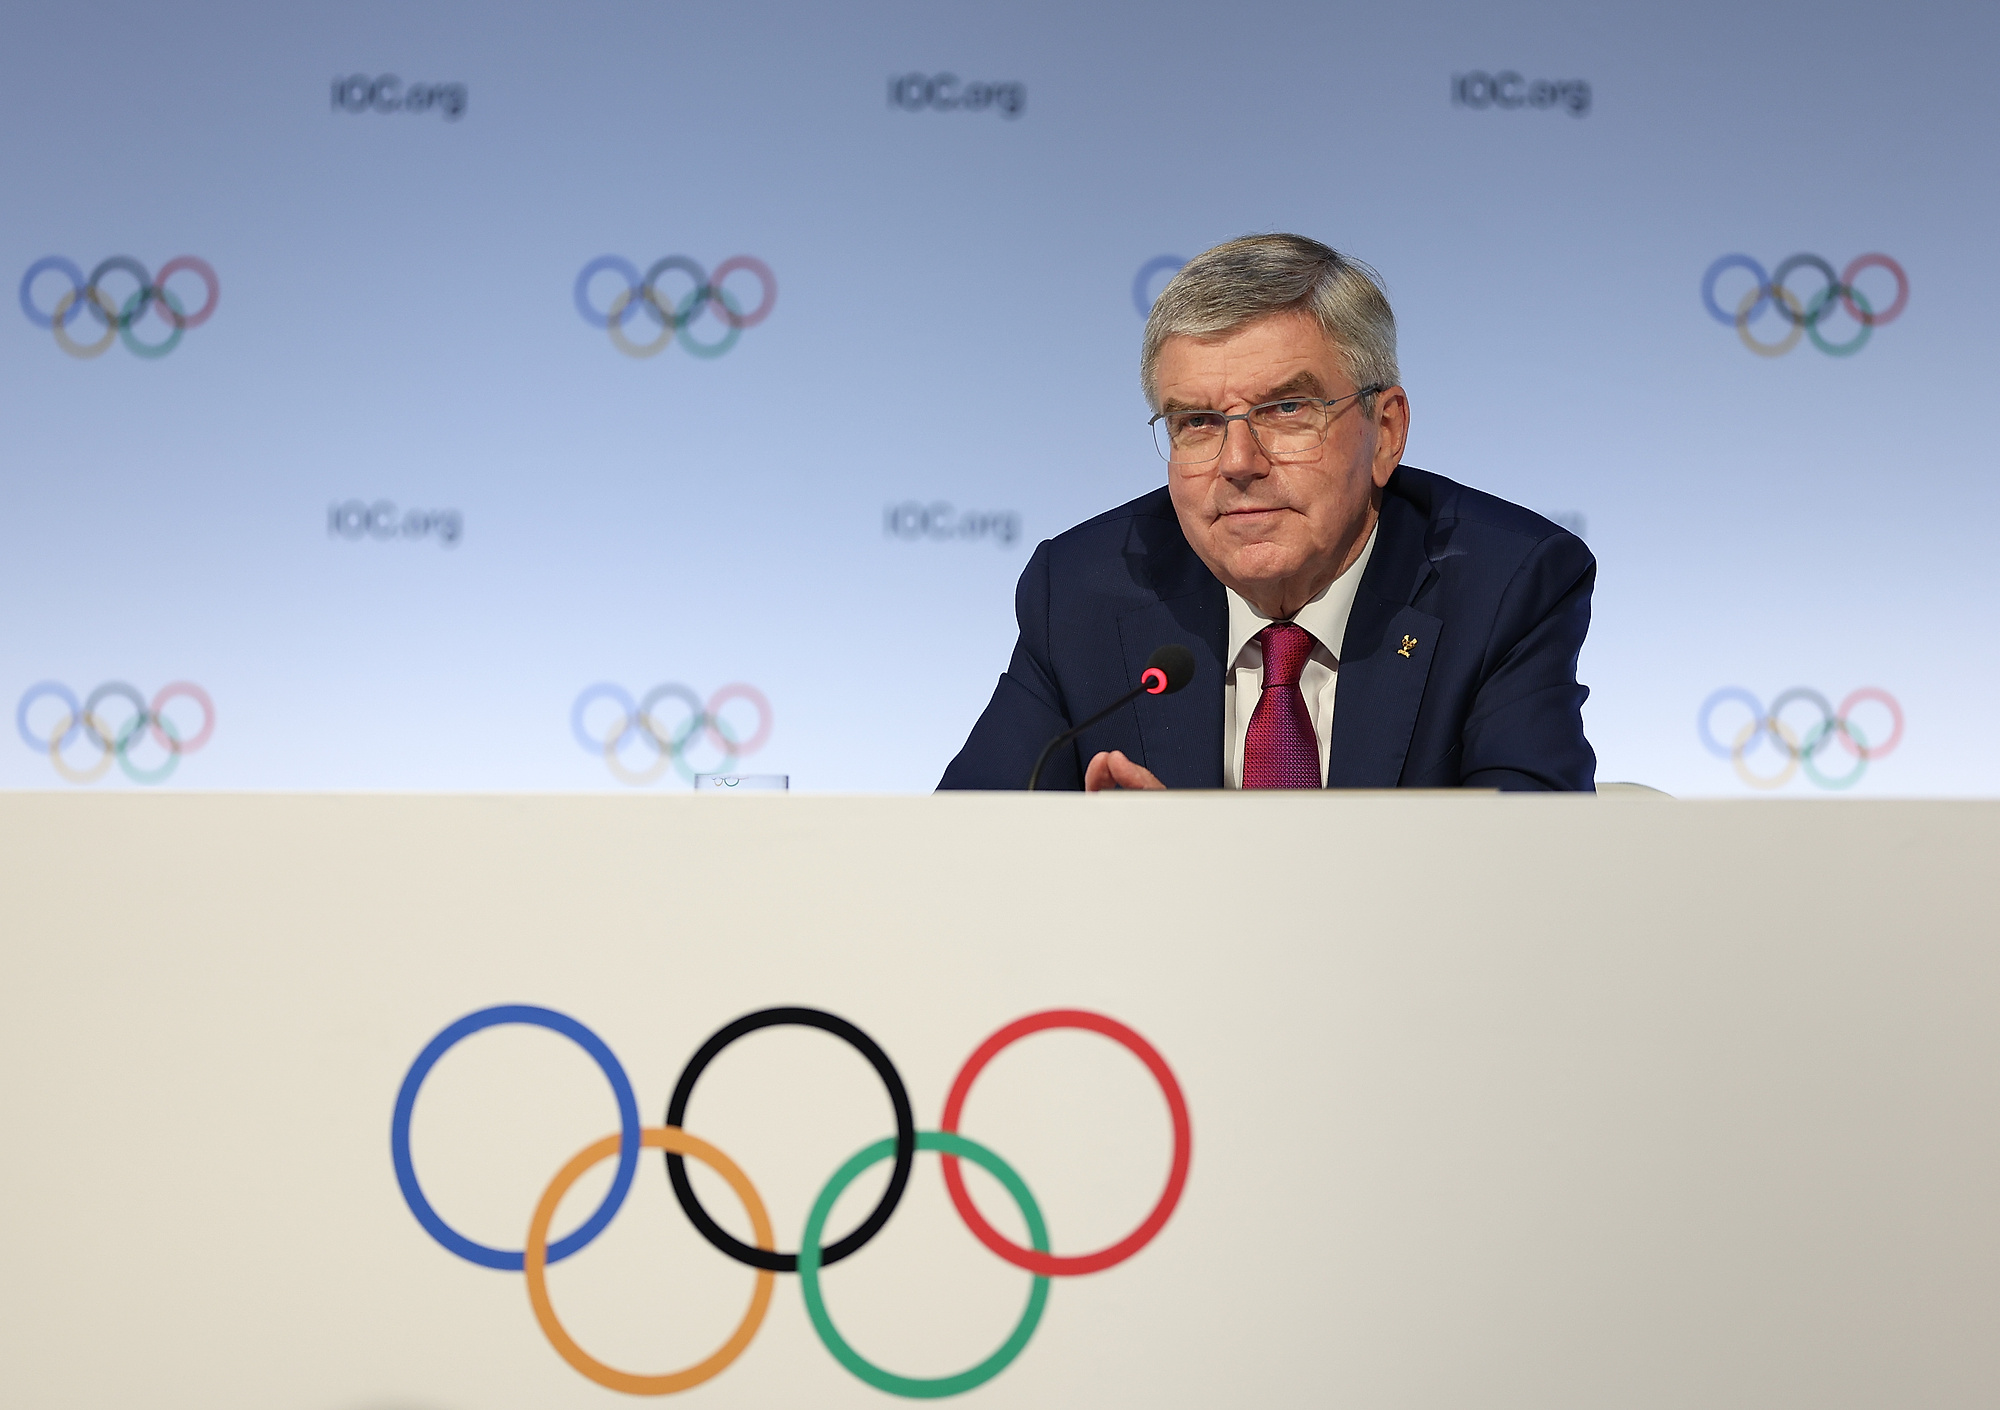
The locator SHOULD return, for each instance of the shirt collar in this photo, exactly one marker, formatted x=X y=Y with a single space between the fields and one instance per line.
x=1325 y=616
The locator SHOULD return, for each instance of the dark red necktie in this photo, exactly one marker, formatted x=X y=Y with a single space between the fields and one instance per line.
x=1281 y=750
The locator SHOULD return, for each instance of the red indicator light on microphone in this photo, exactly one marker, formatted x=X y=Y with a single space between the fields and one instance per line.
x=1154 y=679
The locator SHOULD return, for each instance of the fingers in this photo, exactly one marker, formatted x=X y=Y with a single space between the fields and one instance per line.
x=1127 y=774
x=1114 y=770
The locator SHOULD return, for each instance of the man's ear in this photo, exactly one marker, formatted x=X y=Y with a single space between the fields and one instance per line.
x=1392 y=433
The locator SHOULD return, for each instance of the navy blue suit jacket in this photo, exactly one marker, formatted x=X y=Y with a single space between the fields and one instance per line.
x=1458 y=668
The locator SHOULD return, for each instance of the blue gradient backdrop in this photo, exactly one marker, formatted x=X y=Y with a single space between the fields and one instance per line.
x=955 y=324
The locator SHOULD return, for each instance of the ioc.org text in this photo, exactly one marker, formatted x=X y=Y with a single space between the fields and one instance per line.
x=947 y=93
x=939 y=522
x=1507 y=91
x=386 y=93
x=380 y=520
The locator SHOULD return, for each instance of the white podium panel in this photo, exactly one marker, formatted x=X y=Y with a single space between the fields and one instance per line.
x=362 y=1102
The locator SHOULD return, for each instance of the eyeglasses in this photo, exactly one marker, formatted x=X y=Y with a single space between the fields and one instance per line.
x=1287 y=426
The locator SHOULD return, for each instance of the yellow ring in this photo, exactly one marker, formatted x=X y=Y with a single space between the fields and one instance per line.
x=89 y=775
x=613 y=317
x=1784 y=735
x=71 y=345
x=1784 y=344
x=534 y=1263
x=617 y=765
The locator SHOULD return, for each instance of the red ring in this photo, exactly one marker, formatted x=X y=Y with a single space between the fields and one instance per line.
x=1051 y=1265
x=1861 y=262
x=1870 y=752
x=738 y=691
x=199 y=268
x=200 y=697
x=764 y=277
x=1154 y=679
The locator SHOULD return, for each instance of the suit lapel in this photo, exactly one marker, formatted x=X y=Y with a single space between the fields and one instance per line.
x=1382 y=676
x=1385 y=658
x=1181 y=734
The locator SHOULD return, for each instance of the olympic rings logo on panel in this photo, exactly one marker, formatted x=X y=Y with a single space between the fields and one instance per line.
x=1803 y=318
x=118 y=318
x=663 y=746
x=678 y=1145
x=1143 y=292
x=670 y=314
x=1799 y=748
x=84 y=726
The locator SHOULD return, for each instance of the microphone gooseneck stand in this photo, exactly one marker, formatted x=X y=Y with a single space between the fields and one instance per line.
x=1035 y=774
x=1167 y=670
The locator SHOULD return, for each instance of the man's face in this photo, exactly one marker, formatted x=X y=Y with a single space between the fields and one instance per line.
x=1278 y=530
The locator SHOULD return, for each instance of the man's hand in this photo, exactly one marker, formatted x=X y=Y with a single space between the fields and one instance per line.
x=1114 y=770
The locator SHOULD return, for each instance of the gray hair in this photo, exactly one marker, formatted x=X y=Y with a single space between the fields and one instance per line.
x=1220 y=290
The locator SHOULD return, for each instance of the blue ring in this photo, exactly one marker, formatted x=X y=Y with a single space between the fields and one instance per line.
x=1728 y=320
x=616 y=265
x=36 y=692
x=510 y=1260
x=603 y=690
x=61 y=265
x=1145 y=276
x=1728 y=692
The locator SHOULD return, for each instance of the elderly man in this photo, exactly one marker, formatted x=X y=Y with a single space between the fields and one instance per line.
x=1355 y=622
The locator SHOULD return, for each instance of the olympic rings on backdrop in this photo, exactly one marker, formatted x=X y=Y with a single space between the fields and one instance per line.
x=679 y=1144
x=676 y=1144
x=1143 y=293
x=1799 y=750
x=638 y=722
x=705 y=291
x=905 y=1142
x=115 y=737
x=628 y=1138
x=951 y=1147
x=118 y=317
x=1803 y=318
x=1043 y=1262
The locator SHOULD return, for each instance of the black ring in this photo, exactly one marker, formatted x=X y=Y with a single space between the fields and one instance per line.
x=90 y=713
x=906 y=1136
x=1826 y=725
x=697 y=716
x=1783 y=272
x=137 y=271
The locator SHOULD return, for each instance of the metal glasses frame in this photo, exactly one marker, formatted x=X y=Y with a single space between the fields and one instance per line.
x=1244 y=416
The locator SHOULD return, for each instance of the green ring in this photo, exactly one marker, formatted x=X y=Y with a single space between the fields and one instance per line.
x=676 y=748
x=1819 y=306
x=122 y=748
x=1813 y=741
x=127 y=316
x=694 y=726
x=686 y=313
x=949 y=1143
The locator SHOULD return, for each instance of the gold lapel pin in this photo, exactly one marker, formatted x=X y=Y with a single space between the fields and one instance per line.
x=1408 y=642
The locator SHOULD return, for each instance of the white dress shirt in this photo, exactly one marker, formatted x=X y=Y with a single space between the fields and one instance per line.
x=1326 y=618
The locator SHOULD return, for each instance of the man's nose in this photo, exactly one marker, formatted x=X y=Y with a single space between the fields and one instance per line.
x=1242 y=457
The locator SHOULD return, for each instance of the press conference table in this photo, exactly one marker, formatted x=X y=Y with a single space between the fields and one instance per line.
x=1495 y=1101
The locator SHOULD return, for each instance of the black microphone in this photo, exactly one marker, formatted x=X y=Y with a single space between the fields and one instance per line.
x=1167 y=670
